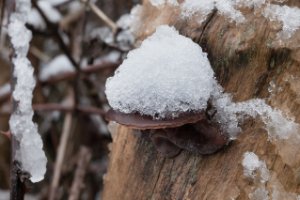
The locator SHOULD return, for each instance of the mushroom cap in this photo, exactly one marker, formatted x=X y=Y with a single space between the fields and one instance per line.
x=143 y=122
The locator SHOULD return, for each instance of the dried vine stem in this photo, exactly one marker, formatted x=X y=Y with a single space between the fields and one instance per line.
x=68 y=121
x=84 y=159
x=101 y=15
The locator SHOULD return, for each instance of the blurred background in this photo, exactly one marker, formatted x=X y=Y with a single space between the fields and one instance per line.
x=74 y=49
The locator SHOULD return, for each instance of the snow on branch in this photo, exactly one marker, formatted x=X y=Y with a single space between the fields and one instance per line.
x=30 y=153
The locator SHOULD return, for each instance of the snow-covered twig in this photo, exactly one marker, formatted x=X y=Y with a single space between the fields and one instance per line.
x=28 y=156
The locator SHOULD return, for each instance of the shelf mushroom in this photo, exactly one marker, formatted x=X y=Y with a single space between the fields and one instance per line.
x=163 y=88
x=190 y=131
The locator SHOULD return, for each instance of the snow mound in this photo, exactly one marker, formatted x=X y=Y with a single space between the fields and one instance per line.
x=166 y=75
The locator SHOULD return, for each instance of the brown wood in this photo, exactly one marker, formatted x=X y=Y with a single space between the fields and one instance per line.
x=246 y=58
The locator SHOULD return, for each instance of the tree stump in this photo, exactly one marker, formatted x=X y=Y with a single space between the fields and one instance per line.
x=250 y=61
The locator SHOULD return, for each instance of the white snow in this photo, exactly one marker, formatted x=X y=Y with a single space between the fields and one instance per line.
x=252 y=164
x=192 y=7
x=113 y=56
x=157 y=3
x=104 y=34
x=227 y=8
x=250 y=3
x=57 y=2
x=257 y=170
x=50 y=11
x=259 y=194
x=5 y=89
x=230 y=114
x=204 y=7
x=36 y=20
x=289 y=16
x=58 y=65
x=129 y=23
x=162 y=77
x=30 y=153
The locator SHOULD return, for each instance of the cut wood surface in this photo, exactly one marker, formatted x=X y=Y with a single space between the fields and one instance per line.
x=248 y=59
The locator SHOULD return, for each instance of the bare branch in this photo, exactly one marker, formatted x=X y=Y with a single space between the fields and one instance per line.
x=101 y=15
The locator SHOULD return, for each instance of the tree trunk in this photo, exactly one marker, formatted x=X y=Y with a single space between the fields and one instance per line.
x=248 y=59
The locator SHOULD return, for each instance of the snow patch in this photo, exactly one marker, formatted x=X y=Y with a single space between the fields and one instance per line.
x=250 y=3
x=193 y=7
x=158 y=3
x=252 y=164
x=259 y=194
x=57 y=2
x=224 y=7
x=289 y=16
x=58 y=65
x=50 y=11
x=30 y=153
x=227 y=9
x=104 y=34
x=129 y=23
x=36 y=20
x=5 y=89
x=230 y=114
x=54 y=16
x=252 y=167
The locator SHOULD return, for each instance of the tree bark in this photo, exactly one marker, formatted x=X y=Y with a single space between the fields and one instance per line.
x=247 y=59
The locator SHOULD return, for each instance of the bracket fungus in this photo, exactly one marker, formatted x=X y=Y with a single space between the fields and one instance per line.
x=193 y=132
x=163 y=88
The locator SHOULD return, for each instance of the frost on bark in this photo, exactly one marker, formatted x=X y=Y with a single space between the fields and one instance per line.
x=257 y=57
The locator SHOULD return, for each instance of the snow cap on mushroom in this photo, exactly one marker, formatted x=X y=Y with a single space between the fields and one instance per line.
x=167 y=75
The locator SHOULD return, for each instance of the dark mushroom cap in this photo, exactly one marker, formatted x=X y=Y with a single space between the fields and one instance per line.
x=142 y=122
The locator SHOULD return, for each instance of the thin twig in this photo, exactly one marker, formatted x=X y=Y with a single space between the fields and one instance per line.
x=101 y=15
x=60 y=155
x=84 y=158
x=90 y=110
x=86 y=70
x=50 y=107
x=39 y=54
x=2 y=14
